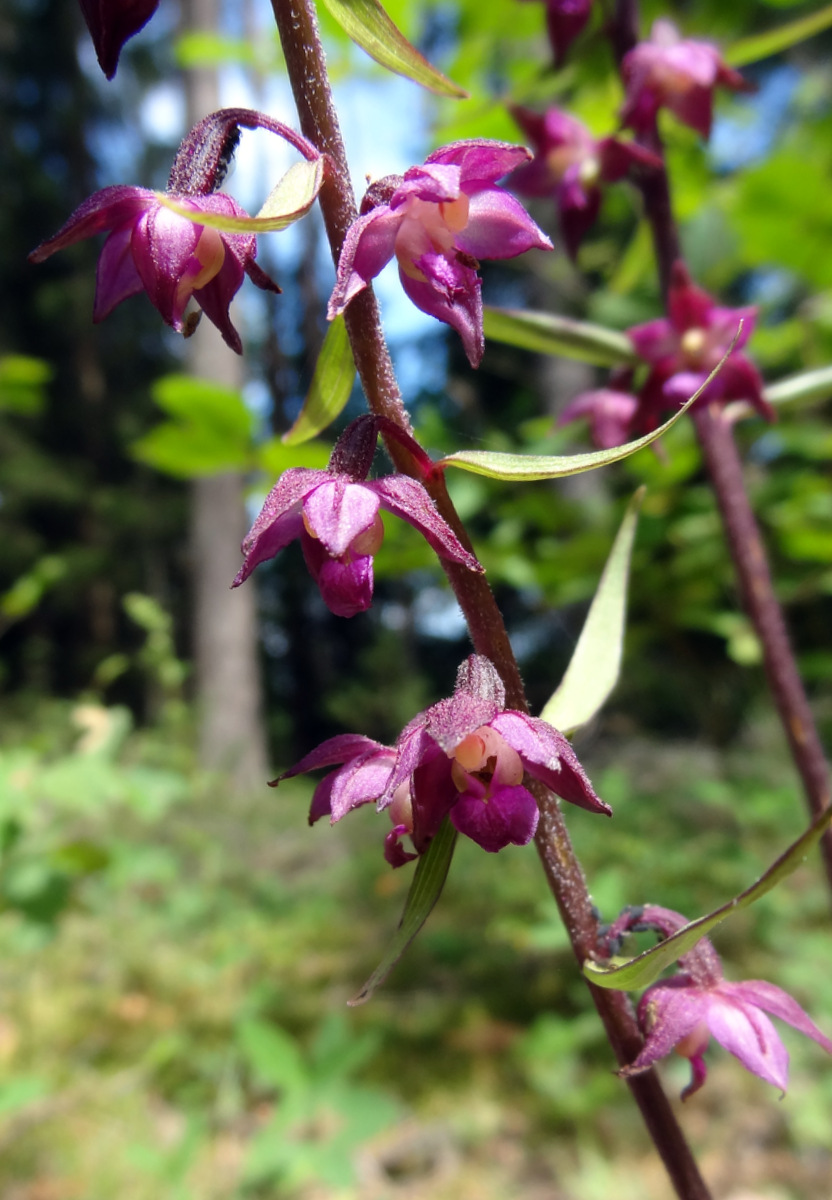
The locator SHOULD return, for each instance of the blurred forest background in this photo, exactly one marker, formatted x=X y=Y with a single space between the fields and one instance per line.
x=176 y=946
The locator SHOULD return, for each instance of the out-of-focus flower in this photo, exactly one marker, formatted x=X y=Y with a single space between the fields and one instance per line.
x=570 y=165
x=467 y=756
x=676 y=73
x=438 y=220
x=610 y=415
x=681 y=350
x=565 y=20
x=153 y=249
x=335 y=513
x=111 y=23
x=684 y=1012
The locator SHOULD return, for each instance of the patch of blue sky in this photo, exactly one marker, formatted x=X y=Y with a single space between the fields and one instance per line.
x=749 y=133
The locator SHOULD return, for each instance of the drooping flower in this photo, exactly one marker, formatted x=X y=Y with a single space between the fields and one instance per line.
x=676 y=73
x=684 y=1012
x=438 y=220
x=111 y=23
x=565 y=20
x=570 y=165
x=335 y=513
x=153 y=249
x=681 y=349
x=466 y=757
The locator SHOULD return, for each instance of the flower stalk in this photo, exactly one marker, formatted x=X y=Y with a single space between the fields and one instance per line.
x=297 y=25
x=722 y=461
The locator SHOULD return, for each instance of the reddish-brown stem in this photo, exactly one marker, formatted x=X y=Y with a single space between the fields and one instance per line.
x=297 y=24
x=724 y=467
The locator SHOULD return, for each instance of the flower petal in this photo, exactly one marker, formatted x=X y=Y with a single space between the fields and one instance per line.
x=481 y=160
x=667 y=1012
x=280 y=519
x=548 y=756
x=749 y=1035
x=337 y=511
x=509 y=816
x=777 y=1002
x=451 y=292
x=346 y=587
x=110 y=208
x=408 y=499
x=116 y=277
x=368 y=246
x=499 y=227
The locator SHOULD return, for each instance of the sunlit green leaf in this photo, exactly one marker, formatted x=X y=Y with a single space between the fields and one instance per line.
x=428 y=881
x=546 y=333
x=330 y=388
x=22 y=383
x=204 y=48
x=775 y=41
x=366 y=22
x=289 y=200
x=274 y=458
x=593 y=669
x=640 y=972
x=211 y=430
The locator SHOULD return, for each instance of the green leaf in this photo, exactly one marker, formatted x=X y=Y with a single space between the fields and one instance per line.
x=498 y=465
x=640 y=972
x=288 y=201
x=22 y=383
x=808 y=385
x=274 y=458
x=212 y=429
x=774 y=41
x=366 y=22
x=330 y=388
x=595 y=664
x=428 y=881
x=204 y=48
x=546 y=333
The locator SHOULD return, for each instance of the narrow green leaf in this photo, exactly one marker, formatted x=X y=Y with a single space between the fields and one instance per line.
x=546 y=333
x=330 y=388
x=640 y=972
x=428 y=881
x=366 y=22
x=498 y=465
x=595 y=664
x=774 y=41
x=288 y=201
x=808 y=385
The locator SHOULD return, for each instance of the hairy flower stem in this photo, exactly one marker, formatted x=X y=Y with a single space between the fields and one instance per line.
x=298 y=28
x=722 y=461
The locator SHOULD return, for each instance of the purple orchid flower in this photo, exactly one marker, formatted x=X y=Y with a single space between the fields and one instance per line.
x=466 y=757
x=151 y=248
x=438 y=220
x=682 y=350
x=610 y=414
x=111 y=23
x=676 y=73
x=335 y=513
x=565 y=20
x=684 y=1012
x=570 y=165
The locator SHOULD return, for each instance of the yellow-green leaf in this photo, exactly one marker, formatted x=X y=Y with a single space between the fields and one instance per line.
x=595 y=664
x=369 y=26
x=546 y=333
x=775 y=41
x=640 y=972
x=330 y=388
x=428 y=881
x=290 y=200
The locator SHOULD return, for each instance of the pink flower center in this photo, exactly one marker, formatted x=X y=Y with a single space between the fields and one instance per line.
x=401 y=808
x=486 y=756
x=428 y=227
x=367 y=542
